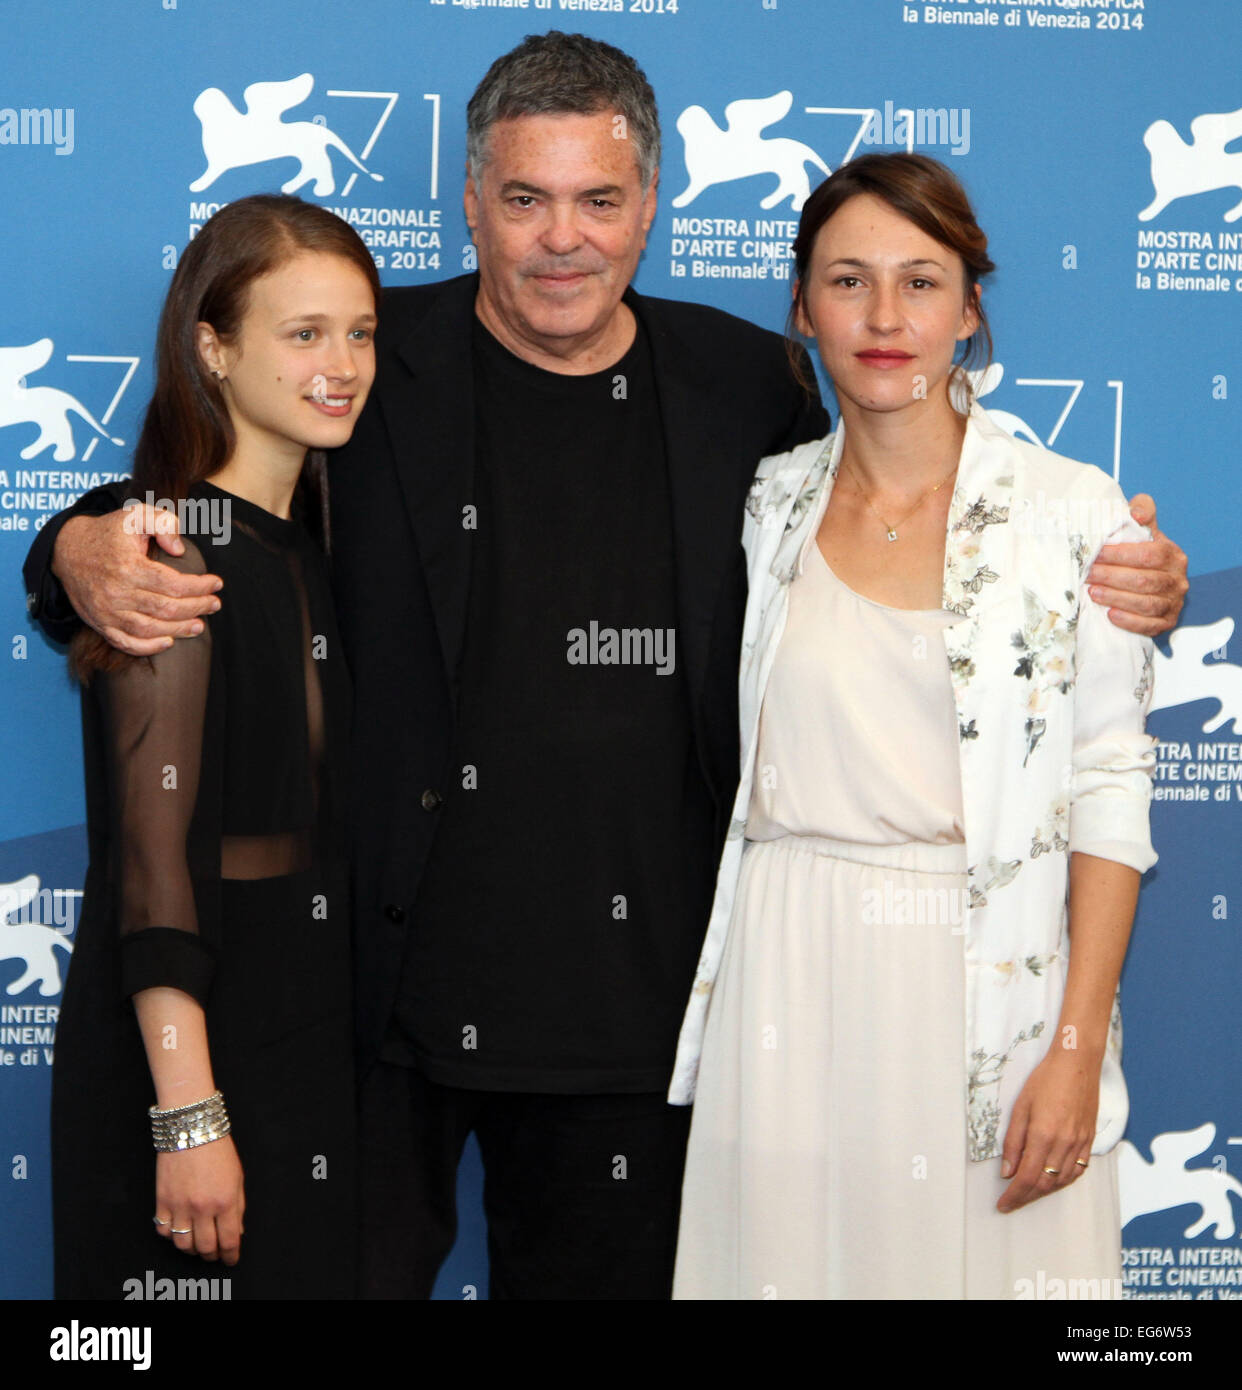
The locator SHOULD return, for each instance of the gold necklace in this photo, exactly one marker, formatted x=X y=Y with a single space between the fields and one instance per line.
x=892 y=530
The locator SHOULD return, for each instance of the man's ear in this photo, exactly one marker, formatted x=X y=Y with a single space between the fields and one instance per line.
x=650 y=201
x=470 y=200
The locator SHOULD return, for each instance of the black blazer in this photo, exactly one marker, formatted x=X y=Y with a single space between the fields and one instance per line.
x=401 y=569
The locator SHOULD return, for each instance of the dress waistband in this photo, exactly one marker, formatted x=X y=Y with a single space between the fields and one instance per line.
x=916 y=856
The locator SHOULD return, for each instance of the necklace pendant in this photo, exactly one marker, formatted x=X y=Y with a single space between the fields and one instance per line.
x=892 y=535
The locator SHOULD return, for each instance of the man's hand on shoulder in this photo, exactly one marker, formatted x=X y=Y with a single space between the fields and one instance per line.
x=134 y=602
x=1143 y=584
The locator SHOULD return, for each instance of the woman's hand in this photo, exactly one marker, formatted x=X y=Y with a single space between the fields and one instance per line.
x=1053 y=1126
x=199 y=1191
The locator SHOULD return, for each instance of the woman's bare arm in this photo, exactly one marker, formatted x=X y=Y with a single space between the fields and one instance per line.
x=1053 y=1122
x=198 y=1190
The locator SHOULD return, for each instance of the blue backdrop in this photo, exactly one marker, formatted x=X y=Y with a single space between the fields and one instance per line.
x=1095 y=137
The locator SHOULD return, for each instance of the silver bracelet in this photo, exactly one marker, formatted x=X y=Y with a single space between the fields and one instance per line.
x=188 y=1126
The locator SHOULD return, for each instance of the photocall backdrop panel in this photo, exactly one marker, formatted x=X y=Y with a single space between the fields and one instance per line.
x=1098 y=139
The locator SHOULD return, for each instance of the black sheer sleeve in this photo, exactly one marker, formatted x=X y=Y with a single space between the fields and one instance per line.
x=45 y=598
x=164 y=881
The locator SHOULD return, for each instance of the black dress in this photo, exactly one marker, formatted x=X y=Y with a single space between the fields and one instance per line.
x=215 y=786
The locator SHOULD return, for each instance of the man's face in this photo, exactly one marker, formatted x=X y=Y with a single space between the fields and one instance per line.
x=559 y=219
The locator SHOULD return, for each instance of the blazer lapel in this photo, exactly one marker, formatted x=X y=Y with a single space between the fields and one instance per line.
x=979 y=562
x=978 y=544
x=706 y=503
x=810 y=496
x=434 y=406
x=976 y=535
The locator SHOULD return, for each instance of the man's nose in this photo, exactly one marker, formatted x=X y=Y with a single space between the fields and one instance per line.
x=561 y=232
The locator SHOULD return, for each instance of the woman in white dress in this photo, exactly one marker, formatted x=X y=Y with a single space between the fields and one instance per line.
x=908 y=1084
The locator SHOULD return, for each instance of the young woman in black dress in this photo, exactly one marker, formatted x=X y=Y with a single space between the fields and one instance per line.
x=211 y=972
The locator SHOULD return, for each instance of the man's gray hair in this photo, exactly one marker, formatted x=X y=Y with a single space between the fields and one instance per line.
x=556 y=74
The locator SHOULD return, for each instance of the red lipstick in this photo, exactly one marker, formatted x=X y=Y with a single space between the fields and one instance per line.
x=884 y=357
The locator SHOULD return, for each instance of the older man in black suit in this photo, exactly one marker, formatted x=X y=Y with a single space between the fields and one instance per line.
x=539 y=579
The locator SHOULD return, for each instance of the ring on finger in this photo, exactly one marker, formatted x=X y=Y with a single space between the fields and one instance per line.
x=1053 y=1171
x=158 y=1222
x=189 y=1231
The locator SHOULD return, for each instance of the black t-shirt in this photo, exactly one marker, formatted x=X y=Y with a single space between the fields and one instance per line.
x=563 y=906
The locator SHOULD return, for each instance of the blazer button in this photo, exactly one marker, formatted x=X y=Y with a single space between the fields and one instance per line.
x=431 y=800
x=394 y=913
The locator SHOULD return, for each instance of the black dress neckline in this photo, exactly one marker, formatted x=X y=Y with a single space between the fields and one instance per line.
x=277 y=529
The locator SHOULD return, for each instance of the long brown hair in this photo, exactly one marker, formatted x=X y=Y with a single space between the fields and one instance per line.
x=187 y=433
x=925 y=192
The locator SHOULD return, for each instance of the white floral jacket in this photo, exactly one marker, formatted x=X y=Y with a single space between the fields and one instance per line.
x=1051 y=699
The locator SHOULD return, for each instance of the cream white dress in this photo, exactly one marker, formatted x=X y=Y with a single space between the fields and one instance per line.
x=827 y=1153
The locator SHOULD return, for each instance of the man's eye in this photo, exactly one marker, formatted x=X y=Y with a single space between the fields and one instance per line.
x=523 y=200
x=601 y=203
x=363 y=335
x=304 y=335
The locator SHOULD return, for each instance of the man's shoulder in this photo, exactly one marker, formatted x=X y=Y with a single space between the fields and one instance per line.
x=721 y=352
x=397 y=297
x=704 y=319
x=748 y=375
x=403 y=307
